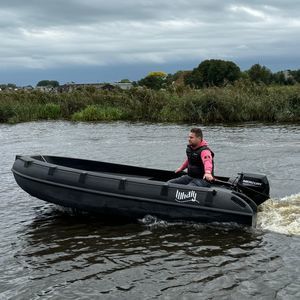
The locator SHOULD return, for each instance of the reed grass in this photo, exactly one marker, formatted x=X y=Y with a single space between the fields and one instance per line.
x=241 y=102
x=98 y=113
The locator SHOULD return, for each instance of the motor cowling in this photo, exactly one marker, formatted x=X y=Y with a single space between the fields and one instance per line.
x=255 y=186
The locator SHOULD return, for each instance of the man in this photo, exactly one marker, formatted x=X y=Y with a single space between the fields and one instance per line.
x=199 y=162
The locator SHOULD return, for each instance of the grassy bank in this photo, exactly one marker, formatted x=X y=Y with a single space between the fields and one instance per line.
x=242 y=102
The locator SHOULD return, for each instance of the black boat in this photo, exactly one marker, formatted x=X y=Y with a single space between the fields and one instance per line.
x=134 y=192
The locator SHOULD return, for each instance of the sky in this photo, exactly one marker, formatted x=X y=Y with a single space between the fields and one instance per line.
x=106 y=41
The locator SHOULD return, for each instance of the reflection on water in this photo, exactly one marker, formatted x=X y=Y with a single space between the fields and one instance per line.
x=48 y=253
x=145 y=259
x=70 y=256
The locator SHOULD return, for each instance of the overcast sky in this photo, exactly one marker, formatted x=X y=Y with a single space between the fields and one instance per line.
x=96 y=40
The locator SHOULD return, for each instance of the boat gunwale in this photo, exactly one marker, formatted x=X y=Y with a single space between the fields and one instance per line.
x=46 y=164
x=32 y=159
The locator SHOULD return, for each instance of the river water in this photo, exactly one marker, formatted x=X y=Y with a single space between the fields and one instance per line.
x=49 y=253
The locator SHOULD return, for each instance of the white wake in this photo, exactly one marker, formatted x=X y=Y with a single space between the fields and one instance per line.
x=280 y=215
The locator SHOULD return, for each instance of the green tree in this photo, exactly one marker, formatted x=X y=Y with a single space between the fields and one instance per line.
x=7 y=86
x=260 y=74
x=178 y=78
x=296 y=75
x=51 y=83
x=213 y=72
x=11 y=85
x=154 y=80
x=279 y=78
x=125 y=81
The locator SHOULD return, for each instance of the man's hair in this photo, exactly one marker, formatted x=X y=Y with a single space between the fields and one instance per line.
x=198 y=132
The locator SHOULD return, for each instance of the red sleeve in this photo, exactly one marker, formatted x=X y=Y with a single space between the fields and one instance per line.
x=184 y=165
x=207 y=161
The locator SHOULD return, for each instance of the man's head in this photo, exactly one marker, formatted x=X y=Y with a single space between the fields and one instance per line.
x=195 y=136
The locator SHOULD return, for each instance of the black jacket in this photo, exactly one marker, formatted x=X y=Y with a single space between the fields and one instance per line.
x=196 y=166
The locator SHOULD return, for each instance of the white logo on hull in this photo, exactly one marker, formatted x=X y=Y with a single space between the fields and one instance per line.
x=190 y=196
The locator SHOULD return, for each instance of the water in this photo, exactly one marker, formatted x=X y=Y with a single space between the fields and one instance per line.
x=48 y=253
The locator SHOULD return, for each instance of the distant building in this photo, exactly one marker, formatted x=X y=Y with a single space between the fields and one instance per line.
x=123 y=85
x=289 y=77
x=70 y=87
x=46 y=89
x=287 y=74
x=27 y=88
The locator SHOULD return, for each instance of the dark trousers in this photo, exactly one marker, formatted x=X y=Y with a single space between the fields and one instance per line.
x=188 y=180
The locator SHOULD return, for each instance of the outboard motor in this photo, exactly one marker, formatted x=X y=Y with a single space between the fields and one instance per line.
x=255 y=186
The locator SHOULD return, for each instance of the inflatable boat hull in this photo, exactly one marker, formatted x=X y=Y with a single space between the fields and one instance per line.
x=128 y=191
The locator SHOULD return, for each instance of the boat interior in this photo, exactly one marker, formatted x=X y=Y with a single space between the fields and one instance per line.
x=120 y=170
x=109 y=168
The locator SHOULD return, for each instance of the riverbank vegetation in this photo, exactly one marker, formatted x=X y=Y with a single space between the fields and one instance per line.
x=216 y=91
x=240 y=101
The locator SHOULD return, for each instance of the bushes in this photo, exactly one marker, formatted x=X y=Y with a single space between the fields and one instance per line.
x=98 y=113
x=202 y=106
x=241 y=102
x=21 y=113
x=145 y=104
x=50 y=111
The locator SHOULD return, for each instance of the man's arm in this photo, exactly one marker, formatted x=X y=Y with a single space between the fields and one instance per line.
x=182 y=167
x=208 y=164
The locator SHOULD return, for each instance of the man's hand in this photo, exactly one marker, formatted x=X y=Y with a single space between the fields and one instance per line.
x=178 y=170
x=208 y=177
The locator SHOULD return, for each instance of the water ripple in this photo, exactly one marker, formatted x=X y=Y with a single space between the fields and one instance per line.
x=50 y=253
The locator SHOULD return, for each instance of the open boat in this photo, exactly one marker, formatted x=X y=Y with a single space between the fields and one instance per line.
x=134 y=192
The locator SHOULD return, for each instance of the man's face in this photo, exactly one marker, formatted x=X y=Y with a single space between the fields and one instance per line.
x=193 y=139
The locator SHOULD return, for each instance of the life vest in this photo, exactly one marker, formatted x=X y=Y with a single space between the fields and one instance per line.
x=196 y=166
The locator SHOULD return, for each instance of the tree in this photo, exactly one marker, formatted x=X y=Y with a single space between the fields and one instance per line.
x=50 y=83
x=178 y=78
x=8 y=86
x=296 y=75
x=279 y=78
x=213 y=72
x=260 y=74
x=154 y=80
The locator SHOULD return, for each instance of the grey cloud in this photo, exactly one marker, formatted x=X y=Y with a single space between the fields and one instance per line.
x=43 y=34
x=56 y=12
x=40 y=14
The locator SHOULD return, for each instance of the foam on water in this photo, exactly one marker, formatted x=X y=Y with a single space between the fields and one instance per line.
x=277 y=215
x=282 y=216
